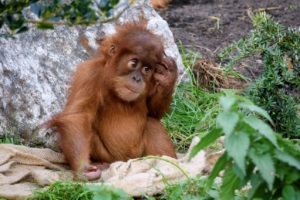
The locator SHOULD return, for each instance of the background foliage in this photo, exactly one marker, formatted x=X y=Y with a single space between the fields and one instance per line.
x=255 y=155
x=50 y=13
x=278 y=88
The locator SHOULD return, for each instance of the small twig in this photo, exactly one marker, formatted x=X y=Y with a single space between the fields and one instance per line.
x=216 y=49
x=266 y=9
x=201 y=47
x=217 y=21
x=45 y=22
x=250 y=14
x=169 y=161
x=250 y=71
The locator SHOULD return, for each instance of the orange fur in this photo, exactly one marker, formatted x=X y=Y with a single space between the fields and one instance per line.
x=160 y=3
x=116 y=101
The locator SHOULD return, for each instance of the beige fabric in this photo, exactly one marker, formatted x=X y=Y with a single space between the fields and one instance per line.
x=24 y=169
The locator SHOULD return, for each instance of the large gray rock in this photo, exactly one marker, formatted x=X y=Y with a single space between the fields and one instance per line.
x=36 y=68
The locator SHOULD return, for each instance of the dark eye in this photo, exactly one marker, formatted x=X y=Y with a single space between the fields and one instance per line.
x=146 y=69
x=133 y=63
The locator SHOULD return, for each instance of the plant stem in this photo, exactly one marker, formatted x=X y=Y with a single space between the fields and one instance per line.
x=169 y=161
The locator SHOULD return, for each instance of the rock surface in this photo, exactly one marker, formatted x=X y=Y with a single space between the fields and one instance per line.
x=36 y=68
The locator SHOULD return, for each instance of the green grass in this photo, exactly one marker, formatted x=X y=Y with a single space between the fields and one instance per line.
x=193 y=111
x=63 y=190
x=8 y=139
x=193 y=188
x=79 y=191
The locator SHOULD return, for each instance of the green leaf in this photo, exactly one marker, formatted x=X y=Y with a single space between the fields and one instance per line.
x=104 y=5
x=262 y=128
x=297 y=193
x=288 y=193
x=237 y=145
x=219 y=166
x=45 y=25
x=23 y=29
x=227 y=102
x=287 y=145
x=107 y=192
x=209 y=138
x=114 y=2
x=288 y=158
x=14 y=21
x=265 y=165
x=230 y=183
x=102 y=196
x=37 y=9
x=1 y=22
x=293 y=176
x=33 y=1
x=257 y=110
x=256 y=182
x=238 y=172
x=228 y=121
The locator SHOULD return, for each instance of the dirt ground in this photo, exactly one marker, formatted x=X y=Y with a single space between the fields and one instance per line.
x=195 y=24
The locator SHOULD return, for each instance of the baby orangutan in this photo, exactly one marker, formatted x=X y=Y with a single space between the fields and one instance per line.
x=116 y=101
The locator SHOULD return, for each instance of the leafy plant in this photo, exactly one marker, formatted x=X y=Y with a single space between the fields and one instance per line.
x=277 y=90
x=56 y=12
x=254 y=154
x=79 y=191
x=193 y=188
x=107 y=193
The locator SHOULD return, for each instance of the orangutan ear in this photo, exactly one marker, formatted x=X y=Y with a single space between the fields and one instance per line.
x=112 y=50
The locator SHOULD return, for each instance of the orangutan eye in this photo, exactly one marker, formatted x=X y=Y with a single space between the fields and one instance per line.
x=146 y=69
x=133 y=63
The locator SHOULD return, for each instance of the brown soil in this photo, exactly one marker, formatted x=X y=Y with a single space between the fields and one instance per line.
x=194 y=23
